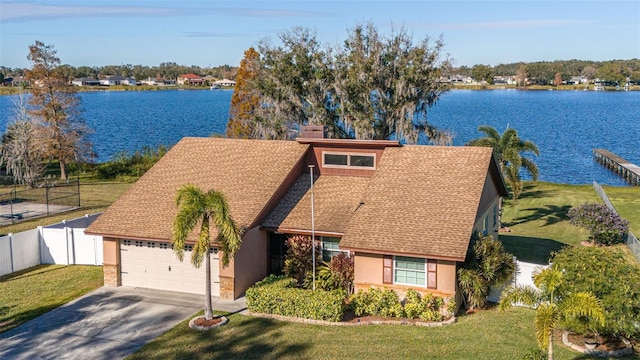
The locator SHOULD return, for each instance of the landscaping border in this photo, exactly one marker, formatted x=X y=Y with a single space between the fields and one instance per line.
x=603 y=353
x=342 y=323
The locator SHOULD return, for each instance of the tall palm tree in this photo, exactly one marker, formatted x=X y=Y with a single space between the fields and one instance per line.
x=204 y=209
x=553 y=306
x=508 y=149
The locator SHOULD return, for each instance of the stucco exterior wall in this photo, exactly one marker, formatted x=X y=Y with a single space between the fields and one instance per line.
x=493 y=228
x=111 y=261
x=368 y=273
x=249 y=265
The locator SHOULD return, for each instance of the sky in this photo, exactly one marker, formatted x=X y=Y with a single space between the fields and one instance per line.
x=213 y=33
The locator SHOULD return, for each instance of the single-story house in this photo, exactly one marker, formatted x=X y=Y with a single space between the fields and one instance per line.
x=225 y=82
x=405 y=213
x=85 y=81
x=190 y=79
x=118 y=80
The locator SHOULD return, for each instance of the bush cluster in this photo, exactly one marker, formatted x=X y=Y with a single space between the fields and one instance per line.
x=605 y=226
x=607 y=274
x=385 y=302
x=279 y=295
x=125 y=165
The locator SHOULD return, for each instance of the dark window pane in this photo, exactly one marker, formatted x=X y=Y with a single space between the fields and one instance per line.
x=335 y=159
x=362 y=160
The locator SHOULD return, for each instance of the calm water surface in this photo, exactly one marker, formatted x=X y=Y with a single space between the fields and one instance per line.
x=566 y=125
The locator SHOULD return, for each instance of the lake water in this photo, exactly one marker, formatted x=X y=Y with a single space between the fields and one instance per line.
x=566 y=125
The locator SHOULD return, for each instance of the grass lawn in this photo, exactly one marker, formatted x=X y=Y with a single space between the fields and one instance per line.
x=538 y=220
x=27 y=294
x=627 y=202
x=94 y=197
x=484 y=335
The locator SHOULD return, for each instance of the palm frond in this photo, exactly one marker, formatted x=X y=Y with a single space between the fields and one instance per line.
x=549 y=281
x=521 y=295
x=545 y=321
x=583 y=304
x=531 y=168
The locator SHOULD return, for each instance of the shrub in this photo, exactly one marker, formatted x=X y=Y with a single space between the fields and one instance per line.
x=385 y=302
x=488 y=264
x=135 y=165
x=377 y=302
x=605 y=226
x=298 y=260
x=278 y=295
x=337 y=274
x=607 y=274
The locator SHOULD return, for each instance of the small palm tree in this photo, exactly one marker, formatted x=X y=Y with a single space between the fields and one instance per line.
x=553 y=306
x=508 y=149
x=198 y=208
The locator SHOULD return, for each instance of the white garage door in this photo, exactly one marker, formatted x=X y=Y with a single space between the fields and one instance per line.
x=153 y=265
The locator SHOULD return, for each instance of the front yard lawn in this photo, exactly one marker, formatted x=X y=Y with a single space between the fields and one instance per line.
x=27 y=294
x=485 y=335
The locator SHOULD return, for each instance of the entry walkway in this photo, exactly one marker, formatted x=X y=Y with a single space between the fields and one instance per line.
x=108 y=323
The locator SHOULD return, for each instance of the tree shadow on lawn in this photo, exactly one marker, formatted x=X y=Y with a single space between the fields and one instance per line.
x=553 y=214
x=242 y=338
x=530 y=249
x=19 y=274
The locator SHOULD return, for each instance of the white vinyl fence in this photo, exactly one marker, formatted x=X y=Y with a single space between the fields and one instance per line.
x=523 y=277
x=61 y=243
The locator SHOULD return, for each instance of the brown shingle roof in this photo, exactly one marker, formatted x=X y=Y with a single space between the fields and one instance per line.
x=421 y=200
x=335 y=200
x=248 y=172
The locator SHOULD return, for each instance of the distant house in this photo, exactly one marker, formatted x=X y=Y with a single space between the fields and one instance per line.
x=15 y=81
x=404 y=213
x=225 y=82
x=157 y=82
x=576 y=80
x=118 y=80
x=190 y=79
x=504 y=80
x=85 y=81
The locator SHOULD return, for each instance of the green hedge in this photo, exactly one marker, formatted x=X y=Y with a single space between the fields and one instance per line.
x=279 y=295
x=385 y=302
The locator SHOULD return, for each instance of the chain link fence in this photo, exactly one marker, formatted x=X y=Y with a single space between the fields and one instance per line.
x=632 y=241
x=46 y=198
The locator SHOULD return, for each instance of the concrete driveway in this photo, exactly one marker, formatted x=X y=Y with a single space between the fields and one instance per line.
x=108 y=323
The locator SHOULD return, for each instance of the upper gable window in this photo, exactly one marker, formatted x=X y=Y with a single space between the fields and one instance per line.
x=366 y=161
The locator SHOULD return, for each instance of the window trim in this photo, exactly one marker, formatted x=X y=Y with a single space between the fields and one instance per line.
x=427 y=262
x=338 y=250
x=395 y=268
x=348 y=166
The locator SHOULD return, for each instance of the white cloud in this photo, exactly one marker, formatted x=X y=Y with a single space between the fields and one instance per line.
x=510 y=24
x=30 y=11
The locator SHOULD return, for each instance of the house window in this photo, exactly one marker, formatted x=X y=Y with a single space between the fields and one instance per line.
x=336 y=159
x=415 y=271
x=361 y=160
x=348 y=160
x=330 y=248
x=485 y=226
x=409 y=271
x=495 y=216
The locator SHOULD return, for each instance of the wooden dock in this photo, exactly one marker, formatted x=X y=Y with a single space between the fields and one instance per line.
x=630 y=172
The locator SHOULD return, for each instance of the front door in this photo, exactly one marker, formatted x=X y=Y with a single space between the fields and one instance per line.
x=277 y=252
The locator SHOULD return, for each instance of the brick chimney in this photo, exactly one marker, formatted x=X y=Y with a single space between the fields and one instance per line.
x=313 y=131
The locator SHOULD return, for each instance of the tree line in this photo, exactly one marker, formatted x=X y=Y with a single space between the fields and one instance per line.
x=165 y=70
x=546 y=72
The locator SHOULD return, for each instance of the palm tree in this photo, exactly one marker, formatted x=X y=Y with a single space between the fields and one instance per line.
x=553 y=306
x=198 y=208
x=508 y=149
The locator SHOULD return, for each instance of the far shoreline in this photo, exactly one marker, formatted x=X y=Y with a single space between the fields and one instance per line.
x=6 y=90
